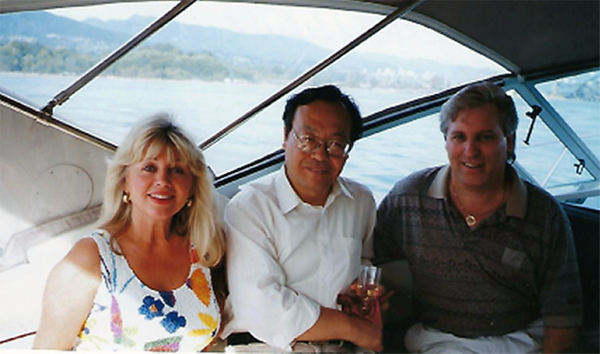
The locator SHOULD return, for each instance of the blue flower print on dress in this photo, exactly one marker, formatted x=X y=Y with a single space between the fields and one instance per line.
x=172 y=322
x=151 y=308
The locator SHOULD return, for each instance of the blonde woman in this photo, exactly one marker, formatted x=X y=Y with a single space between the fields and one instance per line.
x=142 y=281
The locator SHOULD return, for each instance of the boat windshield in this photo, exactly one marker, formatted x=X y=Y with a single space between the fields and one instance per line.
x=217 y=61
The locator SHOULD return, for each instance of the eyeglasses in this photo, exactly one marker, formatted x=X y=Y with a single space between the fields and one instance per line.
x=308 y=143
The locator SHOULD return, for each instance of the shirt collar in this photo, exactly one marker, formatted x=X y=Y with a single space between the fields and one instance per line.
x=516 y=204
x=288 y=199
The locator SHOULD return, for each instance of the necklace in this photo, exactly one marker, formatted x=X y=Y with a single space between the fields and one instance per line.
x=471 y=218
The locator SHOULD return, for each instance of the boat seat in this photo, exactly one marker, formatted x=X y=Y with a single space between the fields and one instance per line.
x=585 y=223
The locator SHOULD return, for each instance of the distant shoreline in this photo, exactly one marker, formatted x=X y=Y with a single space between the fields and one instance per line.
x=101 y=76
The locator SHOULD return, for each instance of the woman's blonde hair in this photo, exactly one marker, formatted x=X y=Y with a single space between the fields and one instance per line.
x=200 y=221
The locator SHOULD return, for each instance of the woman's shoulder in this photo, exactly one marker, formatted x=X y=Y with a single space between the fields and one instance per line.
x=98 y=235
x=102 y=239
x=84 y=253
x=81 y=261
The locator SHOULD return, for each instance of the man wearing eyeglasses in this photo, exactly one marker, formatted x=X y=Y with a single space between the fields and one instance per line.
x=295 y=240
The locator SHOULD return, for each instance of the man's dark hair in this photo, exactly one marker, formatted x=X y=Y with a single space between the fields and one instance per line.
x=328 y=93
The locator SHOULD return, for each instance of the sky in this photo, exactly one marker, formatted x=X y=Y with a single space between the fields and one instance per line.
x=328 y=28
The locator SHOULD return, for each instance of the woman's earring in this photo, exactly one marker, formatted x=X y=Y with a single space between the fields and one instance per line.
x=126 y=198
x=189 y=203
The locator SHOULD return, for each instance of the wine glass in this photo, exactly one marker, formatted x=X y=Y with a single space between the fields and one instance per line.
x=368 y=282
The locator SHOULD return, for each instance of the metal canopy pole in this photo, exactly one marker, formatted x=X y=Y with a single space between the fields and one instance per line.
x=311 y=72
x=114 y=56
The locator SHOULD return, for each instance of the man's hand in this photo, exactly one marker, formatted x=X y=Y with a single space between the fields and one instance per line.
x=366 y=335
x=333 y=324
x=370 y=308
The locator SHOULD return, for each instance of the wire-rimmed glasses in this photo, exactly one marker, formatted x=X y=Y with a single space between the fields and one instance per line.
x=309 y=143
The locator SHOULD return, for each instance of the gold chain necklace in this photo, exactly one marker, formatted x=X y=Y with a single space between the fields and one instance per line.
x=471 y=218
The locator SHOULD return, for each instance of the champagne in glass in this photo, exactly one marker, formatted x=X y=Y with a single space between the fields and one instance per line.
x=368 y=281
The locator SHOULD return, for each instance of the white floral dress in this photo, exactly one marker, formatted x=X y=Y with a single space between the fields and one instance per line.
x=128 y=315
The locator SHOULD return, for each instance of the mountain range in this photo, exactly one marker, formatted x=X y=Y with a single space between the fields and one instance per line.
x=56 y=31
x=220 y=42
x=97 y=36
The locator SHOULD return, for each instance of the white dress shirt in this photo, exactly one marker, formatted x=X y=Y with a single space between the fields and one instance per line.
x=286 y=258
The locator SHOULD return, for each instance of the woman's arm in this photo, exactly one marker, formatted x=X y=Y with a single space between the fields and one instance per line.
x=68 y=297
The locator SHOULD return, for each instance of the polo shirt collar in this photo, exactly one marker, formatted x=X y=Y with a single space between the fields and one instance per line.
x=288 y=199
x=439 y=186
x=516 y=204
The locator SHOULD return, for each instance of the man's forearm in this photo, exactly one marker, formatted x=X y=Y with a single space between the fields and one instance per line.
x=333 y=324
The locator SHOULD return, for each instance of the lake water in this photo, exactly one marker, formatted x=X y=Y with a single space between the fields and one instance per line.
x=108 y=106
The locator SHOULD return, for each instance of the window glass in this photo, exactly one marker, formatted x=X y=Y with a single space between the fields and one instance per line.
x=39 y=61
x=380 y=160
x=546 y=158
x=375 y=80
x=593 y=202
x=577 y=100
x=217 y=61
